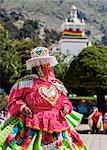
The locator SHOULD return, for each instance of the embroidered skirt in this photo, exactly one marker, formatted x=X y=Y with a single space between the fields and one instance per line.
x=14 y=135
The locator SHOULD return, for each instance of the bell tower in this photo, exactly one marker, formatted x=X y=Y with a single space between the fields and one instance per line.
x=72 y=33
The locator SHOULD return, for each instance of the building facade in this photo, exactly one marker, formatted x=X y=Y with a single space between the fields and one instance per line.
x=72 y=32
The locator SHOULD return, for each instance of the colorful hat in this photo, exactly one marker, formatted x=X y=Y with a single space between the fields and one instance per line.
x=39 y=56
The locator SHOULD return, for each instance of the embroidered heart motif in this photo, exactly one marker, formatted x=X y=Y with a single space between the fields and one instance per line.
x=49 y=93
x=39 y=52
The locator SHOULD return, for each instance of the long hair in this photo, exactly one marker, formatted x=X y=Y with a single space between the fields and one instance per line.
x=34 y=70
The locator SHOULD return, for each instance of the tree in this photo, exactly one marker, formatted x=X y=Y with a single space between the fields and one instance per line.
x=14 y=54
x=89 y=71
x=9 y=61
x=23 y=48
x=62 y=67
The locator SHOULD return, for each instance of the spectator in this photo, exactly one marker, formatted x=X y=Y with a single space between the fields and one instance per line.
x=83 y=107
x=105 y=123
x=94 y=104
x=95 y=120
x=75 y=107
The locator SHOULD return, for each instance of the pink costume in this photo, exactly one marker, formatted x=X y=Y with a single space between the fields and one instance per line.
x=46 y=97
x=46 y=100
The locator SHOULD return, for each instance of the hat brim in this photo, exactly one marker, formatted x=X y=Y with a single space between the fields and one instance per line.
x=40 y=61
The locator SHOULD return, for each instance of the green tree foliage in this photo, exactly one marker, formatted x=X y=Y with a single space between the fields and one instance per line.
x=23 y=48
x=89 y=71
x=14 y=53
x=62 y=67
x=9 y=62
x=50 y=36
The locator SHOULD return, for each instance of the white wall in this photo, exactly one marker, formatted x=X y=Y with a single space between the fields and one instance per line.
x=74 y=47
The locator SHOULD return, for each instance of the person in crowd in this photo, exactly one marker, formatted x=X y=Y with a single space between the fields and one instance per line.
x=94 y=104
x=38 y=106
x=75 y=107
x=105 y=123
x=95 y=120
x=83 y=107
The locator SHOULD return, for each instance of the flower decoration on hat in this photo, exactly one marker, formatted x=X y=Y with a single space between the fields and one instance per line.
x=39 y=56
x=39 y=51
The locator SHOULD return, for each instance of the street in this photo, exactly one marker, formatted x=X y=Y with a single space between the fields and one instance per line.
x=93 y=141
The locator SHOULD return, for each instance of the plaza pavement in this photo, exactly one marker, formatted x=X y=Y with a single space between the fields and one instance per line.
x=93 y=141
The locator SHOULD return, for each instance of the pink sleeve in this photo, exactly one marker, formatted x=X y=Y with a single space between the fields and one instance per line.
x=15 y=101
x=67 y=105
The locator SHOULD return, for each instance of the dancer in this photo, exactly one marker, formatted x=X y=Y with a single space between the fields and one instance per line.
x=41 y=116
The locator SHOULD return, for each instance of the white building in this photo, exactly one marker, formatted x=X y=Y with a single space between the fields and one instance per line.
x=72 y=32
